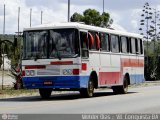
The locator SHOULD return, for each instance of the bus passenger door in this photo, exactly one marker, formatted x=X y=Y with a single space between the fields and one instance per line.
x=94 y=47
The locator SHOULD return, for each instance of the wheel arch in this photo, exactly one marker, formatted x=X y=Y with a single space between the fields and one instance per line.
x=94 y=77
x=128 y=78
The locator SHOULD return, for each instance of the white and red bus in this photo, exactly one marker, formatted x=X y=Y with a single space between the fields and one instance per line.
x=74 y=56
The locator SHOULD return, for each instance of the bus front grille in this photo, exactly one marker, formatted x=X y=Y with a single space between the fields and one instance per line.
x=48 y=72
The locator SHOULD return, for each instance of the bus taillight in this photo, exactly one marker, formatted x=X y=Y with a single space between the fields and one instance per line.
x=84 y=66
x=75 y=71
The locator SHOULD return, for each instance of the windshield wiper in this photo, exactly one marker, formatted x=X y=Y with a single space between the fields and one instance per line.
x=36 y=57
x=57 y=51
x=76 y=55
x=58 y=55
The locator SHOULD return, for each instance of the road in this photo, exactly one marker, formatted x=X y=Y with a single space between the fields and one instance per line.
x=138 y=100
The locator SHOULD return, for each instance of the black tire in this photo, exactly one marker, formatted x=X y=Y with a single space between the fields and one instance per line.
x=116 y=89
x=88 y=92
x=121 y=89
x=45 y=93
x=124 y=87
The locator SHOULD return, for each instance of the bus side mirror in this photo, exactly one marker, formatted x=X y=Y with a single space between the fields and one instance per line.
x=15 y=42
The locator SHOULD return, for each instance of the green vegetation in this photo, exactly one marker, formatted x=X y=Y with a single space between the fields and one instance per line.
x=92 y=17
x=12 y=51
x=11 y=46
x=150 y=29
x=152 y=55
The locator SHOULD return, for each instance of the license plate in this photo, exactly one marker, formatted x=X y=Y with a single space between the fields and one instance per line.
x=48 y=83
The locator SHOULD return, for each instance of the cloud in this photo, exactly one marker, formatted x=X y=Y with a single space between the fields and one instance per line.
x=125 y=13
x=10 y=16
x=135 y=18
x=118 y=27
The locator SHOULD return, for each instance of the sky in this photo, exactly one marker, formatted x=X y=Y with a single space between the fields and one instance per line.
x=125 y=13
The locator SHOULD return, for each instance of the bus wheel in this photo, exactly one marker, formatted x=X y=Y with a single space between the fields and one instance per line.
x=115 y=89
x=88 y=92
x=124 y=87
x=45 y=93
x=121 y=89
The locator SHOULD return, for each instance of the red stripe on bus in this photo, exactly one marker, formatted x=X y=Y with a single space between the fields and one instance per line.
x=109 y=77
x=132 y=62
x=62 y=63
x=35 y=67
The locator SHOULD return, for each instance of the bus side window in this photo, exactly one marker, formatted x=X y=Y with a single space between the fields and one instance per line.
x=98 y=41
x=104 y=41
x=124 y=44
x=91 y=39
x=115 y=43
x=141 y=45
x=138 y=46
x=84 y=44
x=133 y=45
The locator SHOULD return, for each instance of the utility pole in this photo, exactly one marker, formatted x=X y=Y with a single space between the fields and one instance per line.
x=103 y=6
x=18 y=18
x=4 y=22
x=41 y=16
x=68 y=10
x=19 y=38
x=30 y=17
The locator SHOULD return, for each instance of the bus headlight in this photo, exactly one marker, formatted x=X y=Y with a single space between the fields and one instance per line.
x=67 y=72
x=27 y=73
x=32 y=72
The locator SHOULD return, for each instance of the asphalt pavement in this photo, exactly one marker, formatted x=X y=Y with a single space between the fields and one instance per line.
x=138 y=100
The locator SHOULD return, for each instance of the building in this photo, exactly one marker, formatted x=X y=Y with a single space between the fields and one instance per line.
x=7 y=62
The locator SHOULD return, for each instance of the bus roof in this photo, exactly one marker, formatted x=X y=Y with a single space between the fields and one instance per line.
x=81 y=26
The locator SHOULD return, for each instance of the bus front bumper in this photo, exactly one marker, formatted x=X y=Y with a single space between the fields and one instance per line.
x=64 y=82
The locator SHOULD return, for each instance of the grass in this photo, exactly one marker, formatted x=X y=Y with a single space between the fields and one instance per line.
x=139 y=85
x=146 y=83
x=10 y=92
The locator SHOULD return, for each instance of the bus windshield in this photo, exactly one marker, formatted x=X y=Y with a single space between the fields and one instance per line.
x=56 y=43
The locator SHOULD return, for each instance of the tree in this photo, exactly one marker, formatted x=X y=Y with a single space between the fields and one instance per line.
x=106 y=19
x=13 y=52
x=92 y=17
x=150 y=30
x=76 y=17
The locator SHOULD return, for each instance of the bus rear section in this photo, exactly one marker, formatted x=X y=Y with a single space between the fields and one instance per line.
x=51 y=60
x=55 y=74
